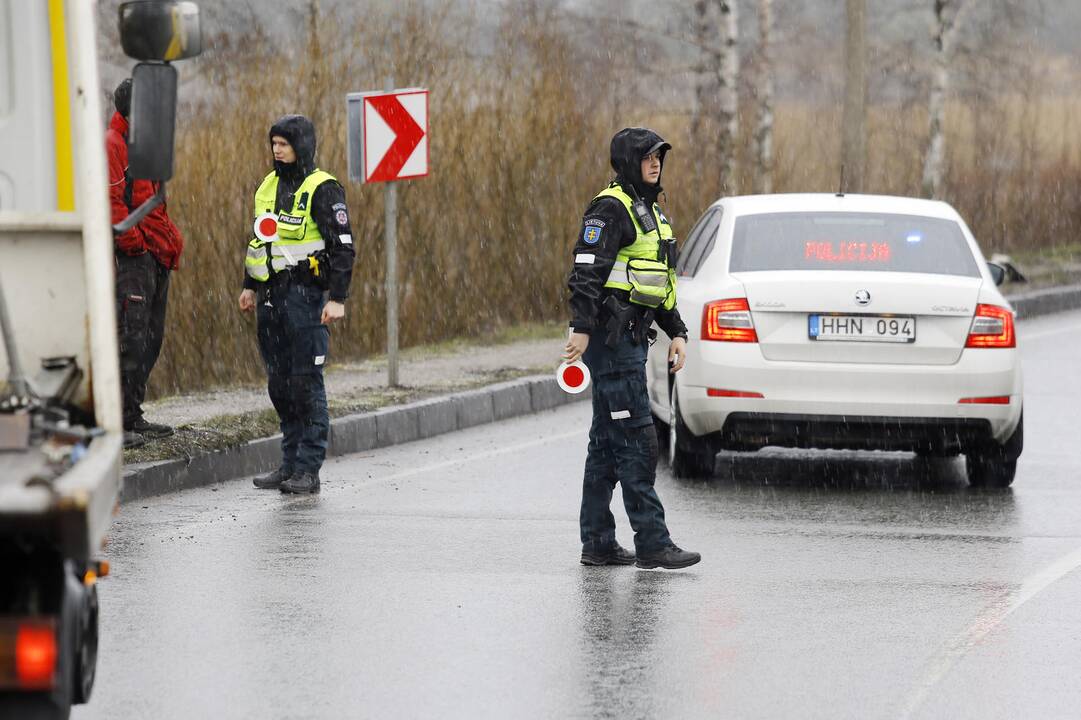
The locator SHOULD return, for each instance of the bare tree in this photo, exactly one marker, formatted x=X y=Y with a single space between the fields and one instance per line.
x=949 y=17
x=716 y=91
x=854 y=122
x=763 y=133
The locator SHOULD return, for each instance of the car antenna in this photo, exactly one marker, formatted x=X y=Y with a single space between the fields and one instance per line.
x=841 y=190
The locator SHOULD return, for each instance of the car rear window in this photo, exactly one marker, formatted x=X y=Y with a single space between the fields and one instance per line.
x=851 y=241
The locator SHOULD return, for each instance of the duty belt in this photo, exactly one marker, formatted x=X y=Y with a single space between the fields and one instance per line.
x=623 y=316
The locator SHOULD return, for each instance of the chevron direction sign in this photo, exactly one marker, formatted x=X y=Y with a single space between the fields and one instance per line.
x=388 y=135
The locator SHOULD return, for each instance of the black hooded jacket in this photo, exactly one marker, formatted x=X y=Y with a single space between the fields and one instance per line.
x=606 y=228
x=328 y=204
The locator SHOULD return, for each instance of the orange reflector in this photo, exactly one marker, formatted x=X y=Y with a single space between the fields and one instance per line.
x=35 y=657
x=716 y=392
x=103 y=568
x=995 y=400
x=90 y=578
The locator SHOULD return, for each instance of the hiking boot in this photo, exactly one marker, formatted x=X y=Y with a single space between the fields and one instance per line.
x=152 y=431
x=669 y=558
x=301 y=483
x=133 y=440
x=274 y=480
x=614 y=555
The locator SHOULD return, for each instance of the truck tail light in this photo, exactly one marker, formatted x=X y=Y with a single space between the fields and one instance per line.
x=992 y=327
x=35 y=656
x=728 y=321
x=993 y=400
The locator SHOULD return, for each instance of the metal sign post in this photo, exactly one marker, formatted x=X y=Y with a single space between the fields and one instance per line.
x=388 y=142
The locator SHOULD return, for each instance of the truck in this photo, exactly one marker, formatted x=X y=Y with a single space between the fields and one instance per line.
x=61 y=432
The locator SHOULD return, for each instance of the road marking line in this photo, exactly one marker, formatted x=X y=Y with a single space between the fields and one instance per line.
x=1045 y=333
x=987 y=621
x=479 y=456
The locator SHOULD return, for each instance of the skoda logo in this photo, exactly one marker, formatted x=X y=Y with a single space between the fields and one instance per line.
x=863 y=297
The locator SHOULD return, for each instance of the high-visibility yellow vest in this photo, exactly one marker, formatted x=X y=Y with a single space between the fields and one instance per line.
x=639 y=267
x=298 y=234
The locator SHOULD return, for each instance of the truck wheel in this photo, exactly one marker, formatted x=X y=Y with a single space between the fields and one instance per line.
x=86 y=657
x=994 y=466
x=689 y=456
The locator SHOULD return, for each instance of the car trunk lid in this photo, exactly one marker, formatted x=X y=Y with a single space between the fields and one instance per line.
x=794 y=312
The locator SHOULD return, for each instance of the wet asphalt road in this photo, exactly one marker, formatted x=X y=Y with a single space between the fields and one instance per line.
x=441 y=580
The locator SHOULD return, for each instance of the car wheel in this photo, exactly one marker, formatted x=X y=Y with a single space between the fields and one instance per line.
x=662 y=435
x=994 y=466
x=688 y=455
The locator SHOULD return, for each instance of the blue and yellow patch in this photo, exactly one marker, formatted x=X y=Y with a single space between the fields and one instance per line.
x=591 y=235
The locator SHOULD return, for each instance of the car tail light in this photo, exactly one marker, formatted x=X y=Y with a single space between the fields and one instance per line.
x=35 y=656
x=728 y=321
x=993 y=400
x=717 y=392
x=992 y=328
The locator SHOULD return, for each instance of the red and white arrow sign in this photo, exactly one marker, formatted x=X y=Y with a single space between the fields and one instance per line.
x=395 y=142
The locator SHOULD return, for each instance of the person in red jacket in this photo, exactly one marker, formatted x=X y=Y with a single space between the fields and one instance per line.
x=145 y=256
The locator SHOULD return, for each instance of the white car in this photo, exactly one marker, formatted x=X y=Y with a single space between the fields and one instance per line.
x=829 y=321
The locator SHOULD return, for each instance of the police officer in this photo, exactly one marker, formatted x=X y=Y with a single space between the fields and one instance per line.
x=287 y=281
x=623 y=280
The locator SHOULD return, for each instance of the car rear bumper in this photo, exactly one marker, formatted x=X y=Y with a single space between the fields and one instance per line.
x=751 y=431
x=881 y=398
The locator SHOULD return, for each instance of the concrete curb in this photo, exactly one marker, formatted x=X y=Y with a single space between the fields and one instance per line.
x=355 y=433
x=1046 y=302
x=427 y=418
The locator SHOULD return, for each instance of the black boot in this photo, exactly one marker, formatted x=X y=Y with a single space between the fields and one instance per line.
x=670 y=558
x=274 y=480
x=301 y=483
x=614 y=555
x=153 y=431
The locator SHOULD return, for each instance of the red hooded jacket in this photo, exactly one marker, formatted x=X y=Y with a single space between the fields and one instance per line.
x=156 y=233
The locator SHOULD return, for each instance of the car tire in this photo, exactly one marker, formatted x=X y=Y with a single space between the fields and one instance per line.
x=994 y=466
x=689 y=456
x=662 y=435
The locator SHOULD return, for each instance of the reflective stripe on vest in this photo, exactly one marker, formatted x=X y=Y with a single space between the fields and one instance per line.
x=637 y=268
x=298 y=234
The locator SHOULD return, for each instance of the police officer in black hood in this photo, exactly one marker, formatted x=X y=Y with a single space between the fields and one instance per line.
x=623 y=280
x=298 y=282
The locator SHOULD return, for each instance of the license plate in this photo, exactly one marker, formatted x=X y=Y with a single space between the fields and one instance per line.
x=862 y=328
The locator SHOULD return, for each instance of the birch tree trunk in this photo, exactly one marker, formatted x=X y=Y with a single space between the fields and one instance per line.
x=763 y=133
x=854 y=121
x=944 y=36
x=715 y=125
x=728 y=76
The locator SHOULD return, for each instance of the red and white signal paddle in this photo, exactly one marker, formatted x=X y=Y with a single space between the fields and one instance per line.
x=266 y=227
x=573 y=377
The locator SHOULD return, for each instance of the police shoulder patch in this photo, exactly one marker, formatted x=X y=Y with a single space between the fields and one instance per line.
x=591 y=234
x=341 y=217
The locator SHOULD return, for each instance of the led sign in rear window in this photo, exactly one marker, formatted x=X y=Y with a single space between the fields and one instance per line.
x=851 y=241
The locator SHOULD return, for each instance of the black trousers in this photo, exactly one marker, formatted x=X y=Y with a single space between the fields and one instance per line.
x=294 y=345
x=142 y=289
x=622 y=449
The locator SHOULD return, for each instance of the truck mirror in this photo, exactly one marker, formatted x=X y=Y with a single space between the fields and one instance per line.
x=160 y=30
x=152 y=121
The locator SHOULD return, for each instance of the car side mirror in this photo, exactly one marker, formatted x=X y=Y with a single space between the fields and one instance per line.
x=160 y=30
x=998 y=273
x=152 y=121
